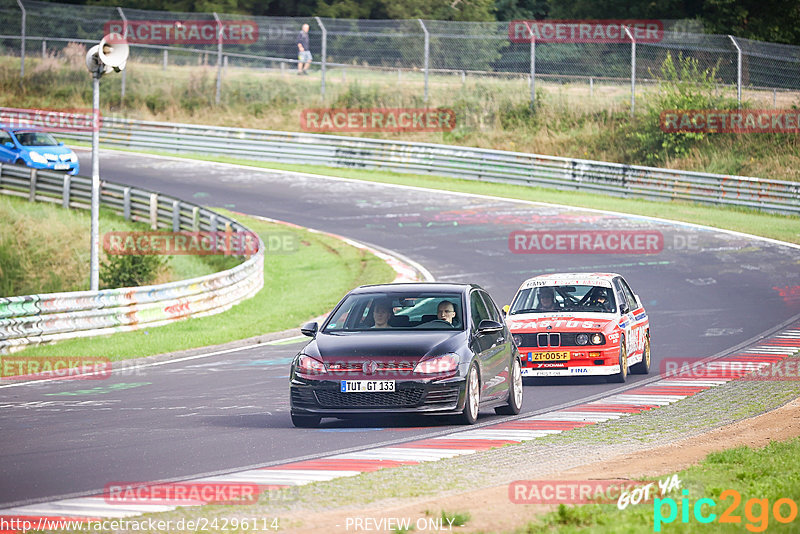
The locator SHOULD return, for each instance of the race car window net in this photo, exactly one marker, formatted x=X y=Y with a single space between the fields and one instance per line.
x=567 y=298
x=407 y=311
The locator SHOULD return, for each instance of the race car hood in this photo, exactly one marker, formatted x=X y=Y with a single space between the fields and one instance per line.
x=562 y=322
x=406 y=344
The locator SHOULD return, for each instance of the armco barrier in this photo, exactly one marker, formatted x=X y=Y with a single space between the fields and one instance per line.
x=50 y=317
x=460 y=162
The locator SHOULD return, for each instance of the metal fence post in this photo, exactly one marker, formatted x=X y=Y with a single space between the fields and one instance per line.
x=44 y=49
x=22 y=46
x=65 y=191
x=427 y=55
x=324 y=55
x=219 y=57
x=166 y=60
x=633 y=69
x=176 y=215
x=738 y=70
x=124 y=36
x=533 y=65
x=126 y=203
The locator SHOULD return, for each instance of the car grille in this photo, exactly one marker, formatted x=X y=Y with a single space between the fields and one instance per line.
x=404 y=398
x=548 y=339
x=358 y=366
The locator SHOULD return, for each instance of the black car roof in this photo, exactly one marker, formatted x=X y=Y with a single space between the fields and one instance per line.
x=415 y=286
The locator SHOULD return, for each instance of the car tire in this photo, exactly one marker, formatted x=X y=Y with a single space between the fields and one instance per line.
x=306 y=421
x=472 y=397
x=620 y=377
x=643 y=367
x=514 y=391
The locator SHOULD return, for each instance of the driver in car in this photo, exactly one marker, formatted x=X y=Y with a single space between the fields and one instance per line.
x=547 y=300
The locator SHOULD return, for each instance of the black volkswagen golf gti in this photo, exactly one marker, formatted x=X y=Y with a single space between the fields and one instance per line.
x=407 y=348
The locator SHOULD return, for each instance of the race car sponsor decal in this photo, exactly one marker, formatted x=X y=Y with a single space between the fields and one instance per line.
x=566 y=281
x=554 y=323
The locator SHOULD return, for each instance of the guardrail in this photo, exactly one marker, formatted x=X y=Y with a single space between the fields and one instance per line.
x=51 y=317
x=461 y=162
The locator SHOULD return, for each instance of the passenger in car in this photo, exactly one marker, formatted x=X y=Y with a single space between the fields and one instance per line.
x=381 y=314
x=446 y=311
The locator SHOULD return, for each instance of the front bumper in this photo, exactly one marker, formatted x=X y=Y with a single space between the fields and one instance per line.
x=606 y=363
x=324 y=397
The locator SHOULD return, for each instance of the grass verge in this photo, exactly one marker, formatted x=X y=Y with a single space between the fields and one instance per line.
x=746 y=482
x=46 y=249
x=289 y=280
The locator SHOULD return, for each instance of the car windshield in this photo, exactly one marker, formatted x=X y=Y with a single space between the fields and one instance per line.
x=36 y=139
x=398 y=311
x=564 y=298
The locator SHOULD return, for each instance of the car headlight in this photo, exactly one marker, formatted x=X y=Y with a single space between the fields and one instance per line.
x=598 y=339
x=582 y=339
x=517 y=339
x=440 y=364
x=310 y=366
x=38 y=158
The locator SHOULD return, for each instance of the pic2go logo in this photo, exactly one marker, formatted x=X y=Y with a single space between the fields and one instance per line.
x=756 y=511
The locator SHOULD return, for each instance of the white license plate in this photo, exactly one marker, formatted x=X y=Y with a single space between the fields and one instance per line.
x=366 y=386
x=61 y=166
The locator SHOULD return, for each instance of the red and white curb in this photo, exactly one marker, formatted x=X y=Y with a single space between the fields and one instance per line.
x=659 y=393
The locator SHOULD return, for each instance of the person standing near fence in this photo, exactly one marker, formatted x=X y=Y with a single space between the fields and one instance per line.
x=304 y=51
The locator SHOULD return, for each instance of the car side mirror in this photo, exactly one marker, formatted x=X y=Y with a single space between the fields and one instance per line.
x=309 y=329
x=623 y=308
x=61 y=143
x=487 y=326
x=9 y=144
x=505 y=309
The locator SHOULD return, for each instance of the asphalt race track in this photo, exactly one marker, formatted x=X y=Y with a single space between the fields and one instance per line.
x=705 y=292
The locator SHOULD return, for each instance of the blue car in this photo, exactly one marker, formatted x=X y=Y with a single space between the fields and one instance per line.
x=37 y=149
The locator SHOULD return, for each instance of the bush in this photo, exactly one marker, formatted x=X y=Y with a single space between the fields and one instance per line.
x=683 y=86
x=130 y=270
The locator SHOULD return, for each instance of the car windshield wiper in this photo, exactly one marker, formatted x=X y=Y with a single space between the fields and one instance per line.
x=526 y=310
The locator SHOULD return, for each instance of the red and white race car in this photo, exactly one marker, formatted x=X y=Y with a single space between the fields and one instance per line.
x=580 y=324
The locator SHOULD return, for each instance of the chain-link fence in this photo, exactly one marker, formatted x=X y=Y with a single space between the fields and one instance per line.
x=426 y=53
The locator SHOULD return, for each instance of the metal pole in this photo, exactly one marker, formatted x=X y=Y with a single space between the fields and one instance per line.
x=427 y=55
x=533 y=65
x=44 y=49
x=95 y=246
x=22 y=47
x=124 y=36
x=166 y=59
x=324 y=54
x=738 y=70
x=633 y=69
x=219 y=57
